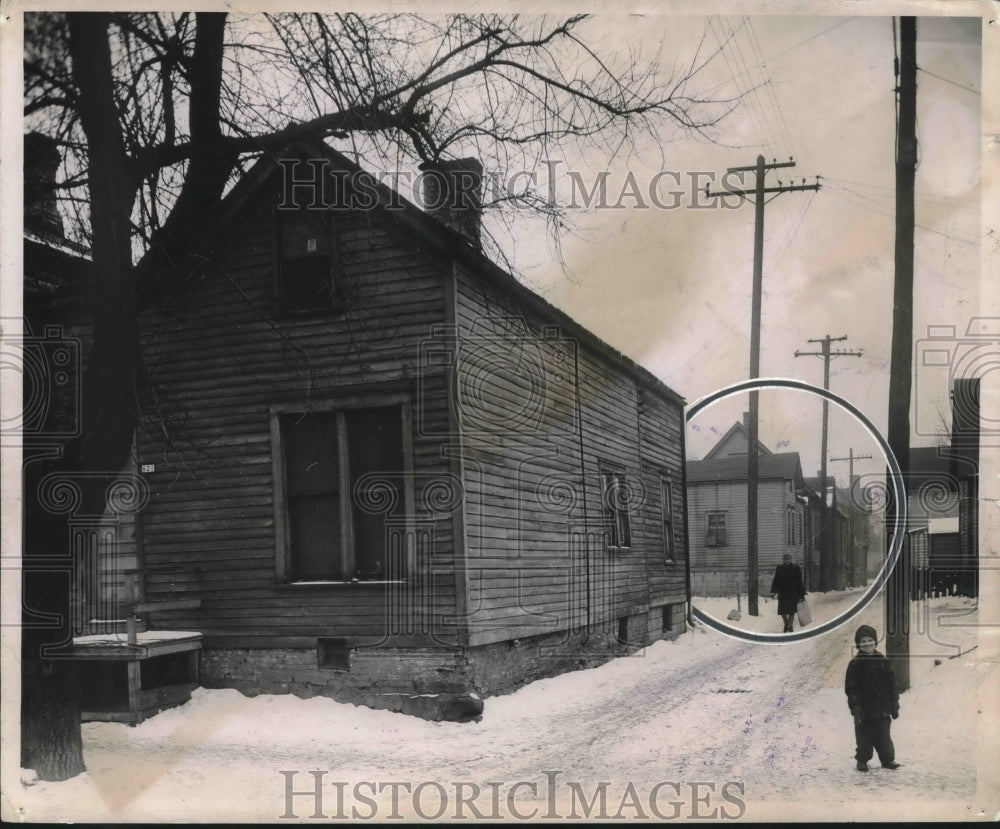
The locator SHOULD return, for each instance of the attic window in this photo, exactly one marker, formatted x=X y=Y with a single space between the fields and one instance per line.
x=306 y=275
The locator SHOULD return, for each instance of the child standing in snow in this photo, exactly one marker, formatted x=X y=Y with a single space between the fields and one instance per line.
x=874 y=700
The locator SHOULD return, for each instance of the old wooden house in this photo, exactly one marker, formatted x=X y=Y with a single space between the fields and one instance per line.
x=717 y=514
x=381 y=469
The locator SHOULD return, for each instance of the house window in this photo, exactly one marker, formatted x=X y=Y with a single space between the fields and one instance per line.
x=616 y=520
x=342 y=494
x=667 y=515
x=305 y=261
x=790 y=525
x=716 y=530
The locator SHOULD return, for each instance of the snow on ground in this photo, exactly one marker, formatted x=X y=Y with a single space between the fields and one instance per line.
x=704 y=725
x=824 y=607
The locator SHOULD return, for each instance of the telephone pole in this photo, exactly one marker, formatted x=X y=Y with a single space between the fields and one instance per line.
x=825 y=563
x=897 y=598
x=758 y=194
x=851 y=458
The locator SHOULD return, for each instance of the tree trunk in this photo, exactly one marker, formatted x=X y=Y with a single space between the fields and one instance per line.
x=51 y=741
x=73 y=482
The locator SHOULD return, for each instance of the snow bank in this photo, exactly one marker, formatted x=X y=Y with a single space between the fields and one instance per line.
x=769 y=719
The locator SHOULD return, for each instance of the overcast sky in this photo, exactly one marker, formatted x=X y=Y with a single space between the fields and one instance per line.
x=671 y=287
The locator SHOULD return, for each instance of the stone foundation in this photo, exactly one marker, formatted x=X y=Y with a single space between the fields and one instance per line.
x=502 y=667
x=425 y=682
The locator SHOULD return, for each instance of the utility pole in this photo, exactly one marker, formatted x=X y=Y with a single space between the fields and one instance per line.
x=851 y=458
x=897 y=599
x=825 y=563
x=758 y=192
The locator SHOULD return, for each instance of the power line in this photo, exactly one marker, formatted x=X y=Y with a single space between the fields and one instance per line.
x=804 y=42
x=766 y=117
x=759 y=54
x=754 y=108
x=889 y=215
x=949 y=80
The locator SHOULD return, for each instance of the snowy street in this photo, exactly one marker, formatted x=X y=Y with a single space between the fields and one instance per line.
x=704 y=726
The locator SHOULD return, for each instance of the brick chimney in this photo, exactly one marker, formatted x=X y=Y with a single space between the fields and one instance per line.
x=41 y=163
x=452 y=192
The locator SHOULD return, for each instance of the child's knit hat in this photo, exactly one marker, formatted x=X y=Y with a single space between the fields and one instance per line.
x=863 y=631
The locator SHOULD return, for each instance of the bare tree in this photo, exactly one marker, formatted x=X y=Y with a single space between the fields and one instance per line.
x=158 y=114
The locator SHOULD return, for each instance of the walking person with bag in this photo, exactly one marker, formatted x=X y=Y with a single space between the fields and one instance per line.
x=789 y=589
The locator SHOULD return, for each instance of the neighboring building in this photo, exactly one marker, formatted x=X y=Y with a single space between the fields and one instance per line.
x=52 y=347
x=856 y=541
x=717 y=514
x=385 y=470
x=838 y=560
x=942 y=500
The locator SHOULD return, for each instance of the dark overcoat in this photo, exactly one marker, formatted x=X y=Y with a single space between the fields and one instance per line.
x=787 y=583
x=870 y=686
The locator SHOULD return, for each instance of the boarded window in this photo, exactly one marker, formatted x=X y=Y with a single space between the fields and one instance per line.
x=716 y=536
x=305 y=267
x=617 y=527
x=344 y=483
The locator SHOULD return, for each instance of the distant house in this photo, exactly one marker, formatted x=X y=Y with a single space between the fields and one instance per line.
x=717 y=514
x=385 y=471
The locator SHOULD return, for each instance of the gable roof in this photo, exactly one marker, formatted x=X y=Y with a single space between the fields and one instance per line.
x=406 y=217
x=733 y=468
x=736 y=429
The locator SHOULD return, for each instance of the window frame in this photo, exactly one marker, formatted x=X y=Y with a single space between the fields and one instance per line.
x=282 y=529
x=667 y=518
x=278 y=218
x=711 y=533
x=613 y=514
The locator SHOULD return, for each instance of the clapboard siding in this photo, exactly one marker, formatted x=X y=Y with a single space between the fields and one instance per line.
x=609 y=418
x=731 y=497
x=660 y=431
x=535 y=441
x=217 y=357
